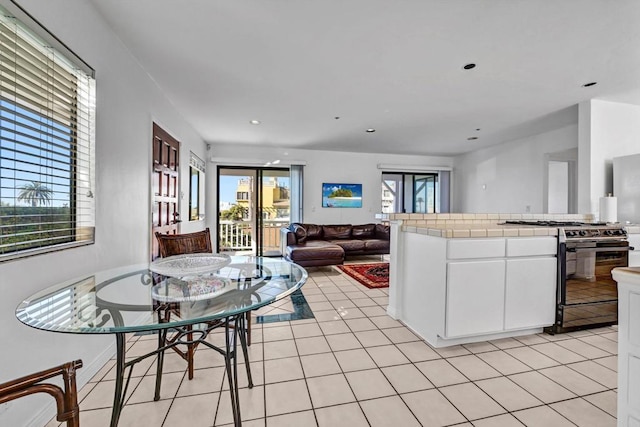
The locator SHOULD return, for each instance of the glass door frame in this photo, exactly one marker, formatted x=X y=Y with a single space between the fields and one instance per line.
x=256 y=200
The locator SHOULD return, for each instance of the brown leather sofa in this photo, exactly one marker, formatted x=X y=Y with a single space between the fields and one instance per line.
x=311 y=245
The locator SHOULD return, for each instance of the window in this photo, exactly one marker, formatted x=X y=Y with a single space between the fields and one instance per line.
x=47 y=130
x=196 y=188
x=404 y=192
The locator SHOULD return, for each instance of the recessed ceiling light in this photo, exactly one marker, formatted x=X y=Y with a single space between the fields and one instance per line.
x=472 y=138
x=589 y=84
x=370 y=130
x=469 y=66
x=254 y=122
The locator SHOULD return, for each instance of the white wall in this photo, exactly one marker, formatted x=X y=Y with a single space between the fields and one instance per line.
x=127 y=104
x=607 y=130
x=322 y=166
x=508 y=177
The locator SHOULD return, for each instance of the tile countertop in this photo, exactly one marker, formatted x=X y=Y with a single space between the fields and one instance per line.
x=490 y=230
x=481 y=230
x=452 y=225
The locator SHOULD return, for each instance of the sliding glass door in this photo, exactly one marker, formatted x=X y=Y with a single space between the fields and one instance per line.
x=253 y=204
x=412 y=193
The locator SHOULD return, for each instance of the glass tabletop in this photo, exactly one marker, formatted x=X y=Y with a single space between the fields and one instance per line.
x=133 y=298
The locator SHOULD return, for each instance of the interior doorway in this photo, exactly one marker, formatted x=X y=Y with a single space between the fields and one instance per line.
x=253 y=204
x=560 y=186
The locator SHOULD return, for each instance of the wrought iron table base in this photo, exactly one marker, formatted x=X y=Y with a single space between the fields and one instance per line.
x=229 y=353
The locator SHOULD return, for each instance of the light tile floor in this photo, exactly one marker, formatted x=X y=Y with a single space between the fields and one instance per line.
x=352 y=365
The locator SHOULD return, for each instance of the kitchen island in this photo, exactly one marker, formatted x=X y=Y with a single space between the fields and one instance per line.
x=461 y=278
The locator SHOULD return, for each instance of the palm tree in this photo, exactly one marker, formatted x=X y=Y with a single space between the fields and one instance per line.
x=36 y=193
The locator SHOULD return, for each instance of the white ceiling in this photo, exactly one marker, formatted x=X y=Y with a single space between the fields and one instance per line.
x=392 y=65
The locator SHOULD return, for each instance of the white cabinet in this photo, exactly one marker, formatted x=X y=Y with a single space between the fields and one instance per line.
x=499 y=285
x=530 y=297
x=475 y=297
x=475 y=248
x=459 y=290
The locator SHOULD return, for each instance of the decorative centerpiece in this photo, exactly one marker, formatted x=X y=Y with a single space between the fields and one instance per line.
x=193 y=289
x=189 y=264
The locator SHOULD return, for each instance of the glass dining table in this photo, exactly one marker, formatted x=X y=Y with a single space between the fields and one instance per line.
x=135 y=299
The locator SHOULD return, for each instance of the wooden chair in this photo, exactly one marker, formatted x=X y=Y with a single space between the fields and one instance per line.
x=191 y=243
x=66 y=400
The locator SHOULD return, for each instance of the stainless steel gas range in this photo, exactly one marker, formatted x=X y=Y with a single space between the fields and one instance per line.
x=587 y=295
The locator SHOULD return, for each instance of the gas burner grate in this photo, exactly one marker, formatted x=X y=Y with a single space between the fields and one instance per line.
x=544 y=223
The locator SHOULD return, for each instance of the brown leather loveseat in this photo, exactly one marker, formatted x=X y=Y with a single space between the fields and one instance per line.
x=312 y=245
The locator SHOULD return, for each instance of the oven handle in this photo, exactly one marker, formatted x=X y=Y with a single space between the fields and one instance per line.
x=618 y=249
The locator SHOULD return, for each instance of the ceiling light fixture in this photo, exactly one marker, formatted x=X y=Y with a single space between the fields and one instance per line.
x=589 y=84
x=254 y=122
x=370 y=130
x=477 y=129
x=472 y=138
x=469 y=66
x=337 y=117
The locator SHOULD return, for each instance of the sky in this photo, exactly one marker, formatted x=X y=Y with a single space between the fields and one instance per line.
x=228 y=185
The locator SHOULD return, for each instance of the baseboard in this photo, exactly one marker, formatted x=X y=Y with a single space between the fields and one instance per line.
x=83 y=376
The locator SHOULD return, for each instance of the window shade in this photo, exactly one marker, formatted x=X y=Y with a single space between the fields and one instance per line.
x=47 y=145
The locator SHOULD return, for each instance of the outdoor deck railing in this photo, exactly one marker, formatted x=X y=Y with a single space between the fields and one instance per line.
x=237 y=235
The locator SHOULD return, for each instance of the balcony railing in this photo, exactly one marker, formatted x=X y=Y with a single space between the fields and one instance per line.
x=238 y=235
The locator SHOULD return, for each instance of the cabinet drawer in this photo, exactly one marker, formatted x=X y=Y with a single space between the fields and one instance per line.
x=475 y=248
x=531 y=246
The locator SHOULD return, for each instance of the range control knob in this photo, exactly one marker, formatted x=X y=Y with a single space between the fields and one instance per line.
x=571 y=233
x=610 y=232
x=583 y=232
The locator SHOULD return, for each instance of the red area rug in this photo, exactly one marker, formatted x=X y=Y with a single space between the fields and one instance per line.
x=370 y=275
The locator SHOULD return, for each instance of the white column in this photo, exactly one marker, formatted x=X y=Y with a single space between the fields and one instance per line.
x=395 y=270
x=628 y=346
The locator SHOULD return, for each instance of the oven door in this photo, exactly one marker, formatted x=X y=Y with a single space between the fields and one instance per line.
x=590 y=295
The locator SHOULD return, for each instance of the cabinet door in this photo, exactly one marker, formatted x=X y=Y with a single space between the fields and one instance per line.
x=531 y=292
x=475 y=297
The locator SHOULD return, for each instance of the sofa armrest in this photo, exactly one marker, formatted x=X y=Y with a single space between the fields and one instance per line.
x=287 y=238
x=383 y=232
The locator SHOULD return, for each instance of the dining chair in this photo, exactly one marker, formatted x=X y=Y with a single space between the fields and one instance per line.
x=191 y=243
x=66 y=399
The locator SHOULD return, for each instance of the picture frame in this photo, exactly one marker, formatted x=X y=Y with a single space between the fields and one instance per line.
x=341 y=195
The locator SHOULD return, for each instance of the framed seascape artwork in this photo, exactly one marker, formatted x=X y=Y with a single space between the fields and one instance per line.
x=341 y=195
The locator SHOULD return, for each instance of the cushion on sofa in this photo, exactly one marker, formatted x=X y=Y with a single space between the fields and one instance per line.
x=364 y=231
x=315 y=250
x=376 y=245
x=306 y=232
x=382 y=232
x=336 y=232
x=314 y=231
x=348 y=245
x=300 y=231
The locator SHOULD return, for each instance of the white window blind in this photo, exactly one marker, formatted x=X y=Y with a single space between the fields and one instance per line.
x=47 y=145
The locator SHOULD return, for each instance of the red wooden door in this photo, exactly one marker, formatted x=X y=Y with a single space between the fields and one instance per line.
x=166 y=189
